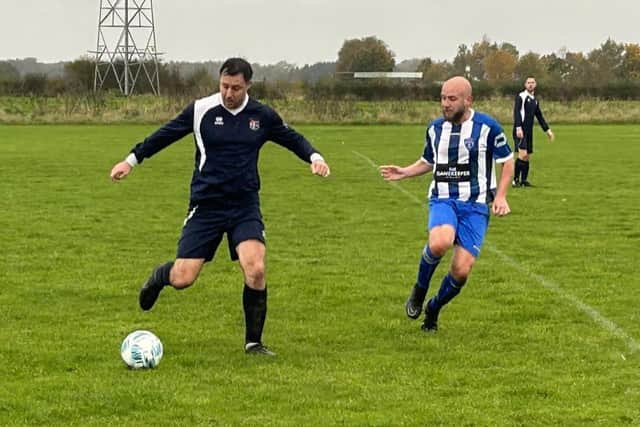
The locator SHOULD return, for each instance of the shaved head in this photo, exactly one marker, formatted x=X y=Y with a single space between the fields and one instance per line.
x=458 y=84
x=456 y=99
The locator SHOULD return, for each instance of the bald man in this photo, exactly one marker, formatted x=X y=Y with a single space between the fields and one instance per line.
x=461 y=149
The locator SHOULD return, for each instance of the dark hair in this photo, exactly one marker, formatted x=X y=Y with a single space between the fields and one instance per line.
x=233 y=66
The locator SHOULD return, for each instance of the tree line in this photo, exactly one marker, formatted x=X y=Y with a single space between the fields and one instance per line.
x=610 y=71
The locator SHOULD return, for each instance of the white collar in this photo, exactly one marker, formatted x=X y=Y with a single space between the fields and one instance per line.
x=470 y=115
x=235 y=111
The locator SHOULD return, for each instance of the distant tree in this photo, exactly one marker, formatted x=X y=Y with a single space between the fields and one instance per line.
x=79 y=75
x=200 y=82
x=434 y=71
x=280 y=71
x=479 y=52
x=34 y=84
x=631 y=62
x=511 y=49
x=579 y=68
x=530 y=64
x=365 y=54
x=462 y=60
x=556 y=67
x=317 y=71
x=171 y=81
x=8 y=72
x=606 y=62
x=471 y=62
x=499 y=65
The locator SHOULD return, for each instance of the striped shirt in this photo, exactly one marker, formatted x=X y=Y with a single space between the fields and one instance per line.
x=464 y=156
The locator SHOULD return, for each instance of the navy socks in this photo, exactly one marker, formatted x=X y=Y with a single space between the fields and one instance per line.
x=428 y=264
x=448 y=290
x=255 y=313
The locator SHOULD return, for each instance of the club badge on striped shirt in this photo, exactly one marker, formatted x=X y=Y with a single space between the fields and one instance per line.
x=254 y=124
x=469 y=143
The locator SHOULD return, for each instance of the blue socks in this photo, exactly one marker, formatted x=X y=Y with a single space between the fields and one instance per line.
x=428 y=264
x=448 y=290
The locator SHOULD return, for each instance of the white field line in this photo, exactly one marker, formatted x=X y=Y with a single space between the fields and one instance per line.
x=594 y=314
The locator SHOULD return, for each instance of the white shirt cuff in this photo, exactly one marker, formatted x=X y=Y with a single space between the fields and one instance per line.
x=316 y=157
x=132 y=160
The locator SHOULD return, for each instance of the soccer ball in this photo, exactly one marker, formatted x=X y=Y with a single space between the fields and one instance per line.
x=141 y=350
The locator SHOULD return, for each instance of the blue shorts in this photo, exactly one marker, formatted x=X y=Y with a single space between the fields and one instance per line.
x=205 y=225
x=469 y=219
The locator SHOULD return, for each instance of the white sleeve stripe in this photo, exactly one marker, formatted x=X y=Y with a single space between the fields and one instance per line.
x=200 y=108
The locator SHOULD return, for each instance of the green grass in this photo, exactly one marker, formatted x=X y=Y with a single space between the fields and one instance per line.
x=526 y=343
x=111 y=108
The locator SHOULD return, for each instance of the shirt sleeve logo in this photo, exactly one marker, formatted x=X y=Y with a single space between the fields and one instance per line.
x=254 y=124
x=500 y=140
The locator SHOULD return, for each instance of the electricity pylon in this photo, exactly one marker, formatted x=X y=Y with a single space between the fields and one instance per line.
x=126 y=49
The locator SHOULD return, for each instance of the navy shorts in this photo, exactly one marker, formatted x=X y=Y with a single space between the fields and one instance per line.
x=206 y=224
x=469 y=219
x=524 y=143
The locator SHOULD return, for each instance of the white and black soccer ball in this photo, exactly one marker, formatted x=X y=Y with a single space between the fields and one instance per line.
x=141 y=350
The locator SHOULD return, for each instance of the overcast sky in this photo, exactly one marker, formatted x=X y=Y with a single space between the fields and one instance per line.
x=310 y=31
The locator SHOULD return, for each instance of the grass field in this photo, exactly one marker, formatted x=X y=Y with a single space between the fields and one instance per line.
x=545 y=333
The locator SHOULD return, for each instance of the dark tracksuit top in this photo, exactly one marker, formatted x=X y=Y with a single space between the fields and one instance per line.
x=227 y=145
x=525 y=108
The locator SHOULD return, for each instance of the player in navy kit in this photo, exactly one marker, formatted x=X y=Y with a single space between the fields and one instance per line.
x=461 y=149
x=229 y=130
x=526 y=107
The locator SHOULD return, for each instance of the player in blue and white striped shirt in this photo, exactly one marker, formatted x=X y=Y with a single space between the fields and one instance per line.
x=461 y=149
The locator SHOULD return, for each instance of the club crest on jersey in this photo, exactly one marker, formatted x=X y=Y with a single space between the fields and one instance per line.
x=254 y=124
x=469 y=143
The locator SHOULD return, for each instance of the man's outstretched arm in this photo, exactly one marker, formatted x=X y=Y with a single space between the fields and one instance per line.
x=396 y=173
x=174 y=130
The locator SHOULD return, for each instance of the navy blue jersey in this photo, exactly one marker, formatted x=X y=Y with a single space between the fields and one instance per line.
x=463 y=157
x=227 y=143
x=525 y=108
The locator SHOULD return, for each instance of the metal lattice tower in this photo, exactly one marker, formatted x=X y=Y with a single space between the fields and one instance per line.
x=126 y=48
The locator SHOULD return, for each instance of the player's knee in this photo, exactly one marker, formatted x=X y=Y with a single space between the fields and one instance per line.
x=439 y=246
x=182 y=277
x=254 y=271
